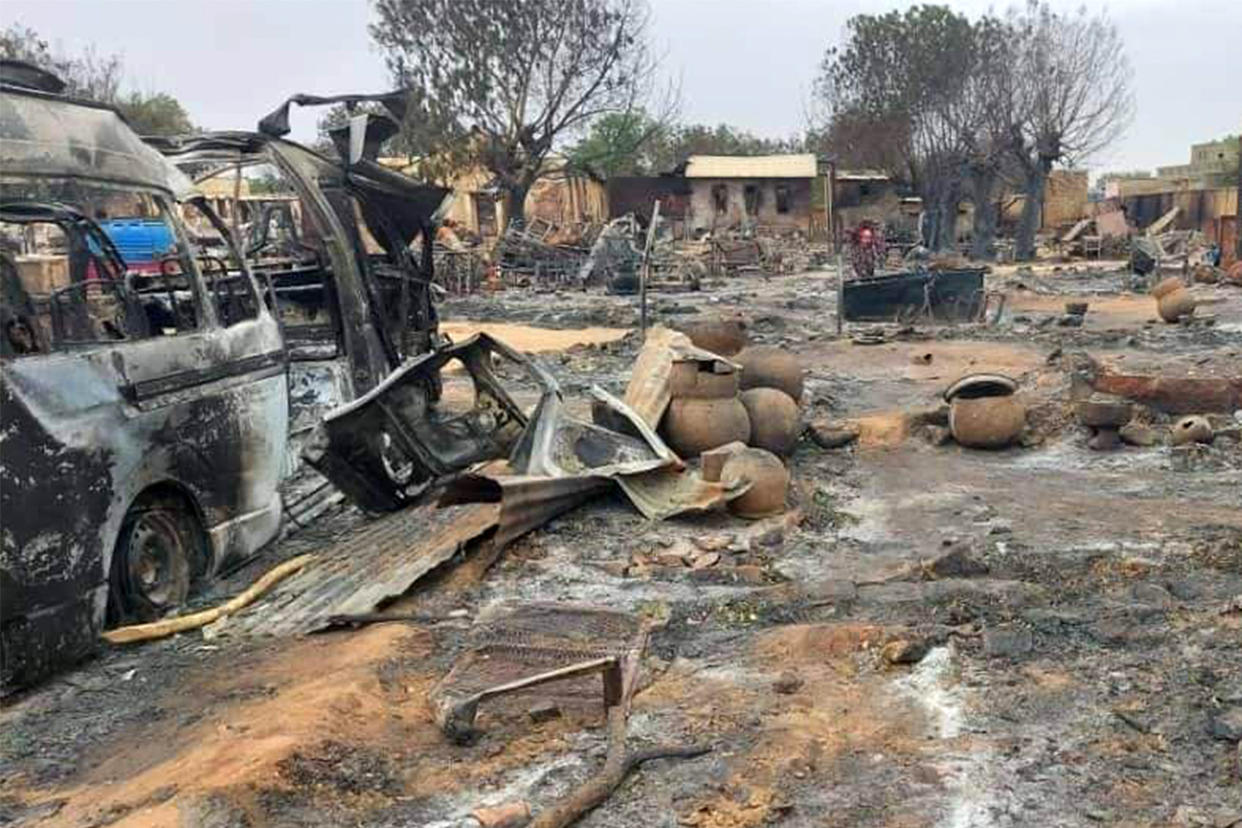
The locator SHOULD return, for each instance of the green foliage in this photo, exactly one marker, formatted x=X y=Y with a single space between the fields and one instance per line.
x=633 y=143
x=98 y=78
x=155 y=114
x=618 y=144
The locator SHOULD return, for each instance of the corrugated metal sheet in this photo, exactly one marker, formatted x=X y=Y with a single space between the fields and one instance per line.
x=751 y=166
x=380 y=560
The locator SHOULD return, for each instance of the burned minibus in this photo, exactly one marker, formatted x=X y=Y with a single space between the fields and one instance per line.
x=146 y=410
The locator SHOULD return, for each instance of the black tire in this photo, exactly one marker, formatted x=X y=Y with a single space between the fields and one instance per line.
x=158 y=550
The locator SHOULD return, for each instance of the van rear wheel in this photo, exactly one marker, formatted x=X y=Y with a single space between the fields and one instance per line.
x=153 y=569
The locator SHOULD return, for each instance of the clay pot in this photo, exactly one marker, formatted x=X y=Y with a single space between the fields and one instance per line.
x=1173 y=306
x=720 y=335
x=688 y=379
x=766 y=366
x=1101 y=411
x=1192 y=429
x=774 y=421
x=694 y=425
x=768 y=477
x=1167 y=286
x=986 y=422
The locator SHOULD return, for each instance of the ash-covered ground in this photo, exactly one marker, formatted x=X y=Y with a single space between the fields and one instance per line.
x=1077 y=614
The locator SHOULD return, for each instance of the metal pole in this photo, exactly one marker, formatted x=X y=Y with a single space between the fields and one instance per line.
x=840 y=293
x=642 y=273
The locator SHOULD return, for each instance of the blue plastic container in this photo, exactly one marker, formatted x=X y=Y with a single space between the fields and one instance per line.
x=139 y=239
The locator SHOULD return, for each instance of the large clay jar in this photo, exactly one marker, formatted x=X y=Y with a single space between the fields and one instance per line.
x=986 y=422
x=766 y=366
x=722 y=335
x=768 y=478
x=1167 y=286
x=687 y=379
x=1173 y=306
x=694 y=425
x=774 y=421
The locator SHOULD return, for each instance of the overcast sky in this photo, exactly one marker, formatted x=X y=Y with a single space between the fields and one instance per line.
x=745 y=62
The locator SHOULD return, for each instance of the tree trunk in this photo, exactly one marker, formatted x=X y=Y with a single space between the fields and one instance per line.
x=950 y=199
x=983 y=194
x=1032 y=210
x=516 y=193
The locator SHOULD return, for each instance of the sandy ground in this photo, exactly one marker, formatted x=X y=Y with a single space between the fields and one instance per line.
x=1083 y=673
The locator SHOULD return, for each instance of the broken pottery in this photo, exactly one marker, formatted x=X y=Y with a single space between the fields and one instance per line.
x=688 y=379
x=720 y=335
x=774 y=421
x=769 y=481
x=1193 y=429
x=766 y=366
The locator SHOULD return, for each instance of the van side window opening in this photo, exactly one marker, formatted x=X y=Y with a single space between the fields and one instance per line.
x=231 y=290
x=91 y=264
x=281 y=239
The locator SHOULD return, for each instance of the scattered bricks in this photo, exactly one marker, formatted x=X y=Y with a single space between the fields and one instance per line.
x=903 y=651
x=505 y=815
x=1139 y=434
x=788 y=683
x=544 y=711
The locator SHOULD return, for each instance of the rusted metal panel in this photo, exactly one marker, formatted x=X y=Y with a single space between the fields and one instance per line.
x=525 y=502
x=377 y=562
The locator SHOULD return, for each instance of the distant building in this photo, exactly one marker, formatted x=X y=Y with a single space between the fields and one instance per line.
x=1214 y=163
x=772 y=192
x=716 y=193
x=569 y=200
x=1205 y=192
x=1065 y=200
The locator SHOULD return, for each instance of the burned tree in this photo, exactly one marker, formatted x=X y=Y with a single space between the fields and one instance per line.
x=500 y=84
x=886 y=90
x=1073 y=98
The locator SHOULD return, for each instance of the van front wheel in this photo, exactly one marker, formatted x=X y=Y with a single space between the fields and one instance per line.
x=152 y=572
